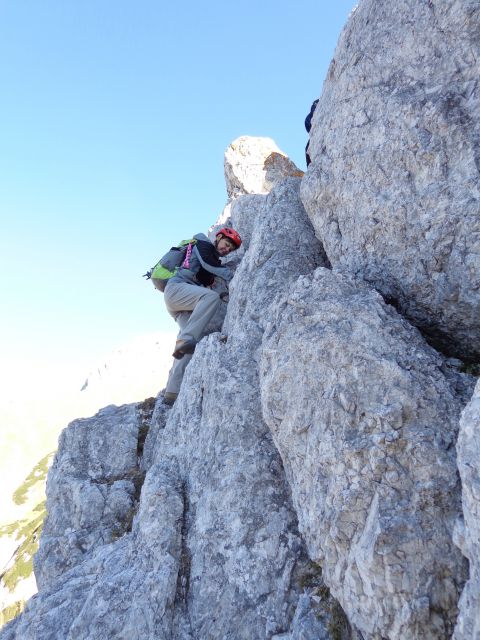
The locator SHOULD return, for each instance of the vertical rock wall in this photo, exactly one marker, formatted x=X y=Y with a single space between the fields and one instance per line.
x=366 y=422
x=363 y=415
x=395 y=145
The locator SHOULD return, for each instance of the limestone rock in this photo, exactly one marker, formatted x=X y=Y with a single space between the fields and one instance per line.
x=366 y=423
x=241 y=214
x=31 y=422
x=277 y=167
x=392 y=190
x=92 y=489
x=468 y=532
x=214 y=550
x=244 y=216
x=130 y=373
x=123 y=590
x=281 y=248
x=255 y=165
x=307 y=465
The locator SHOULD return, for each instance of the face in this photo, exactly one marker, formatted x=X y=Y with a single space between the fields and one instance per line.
x=225 y=245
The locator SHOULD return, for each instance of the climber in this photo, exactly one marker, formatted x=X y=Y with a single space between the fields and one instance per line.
x=191 y=301
x=308 y=126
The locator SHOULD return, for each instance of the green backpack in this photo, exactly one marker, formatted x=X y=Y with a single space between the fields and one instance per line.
x=170 y=263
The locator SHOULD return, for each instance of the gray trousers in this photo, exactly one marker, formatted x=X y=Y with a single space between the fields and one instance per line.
x=192 y=307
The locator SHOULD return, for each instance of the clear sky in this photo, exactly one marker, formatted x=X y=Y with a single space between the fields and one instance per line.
x=114 y=118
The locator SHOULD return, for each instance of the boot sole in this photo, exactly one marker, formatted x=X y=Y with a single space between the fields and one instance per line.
x=186 y=348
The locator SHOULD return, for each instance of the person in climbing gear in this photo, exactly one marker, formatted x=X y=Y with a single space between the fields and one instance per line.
x=191 y=301
x=308 y=126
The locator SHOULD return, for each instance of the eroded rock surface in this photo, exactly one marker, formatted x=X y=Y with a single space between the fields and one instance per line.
x=282 y=246
x=214 y=550
x=366 y=424
x=468 y=530
x=395 y=145
x=92 y=489
x=256 y=165
x=308 y=463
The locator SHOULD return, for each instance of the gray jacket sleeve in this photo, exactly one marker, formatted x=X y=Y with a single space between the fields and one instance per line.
x=221 y=272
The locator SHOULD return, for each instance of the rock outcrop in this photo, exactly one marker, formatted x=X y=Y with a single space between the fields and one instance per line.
x=93 y=487
x=130 y=373
x=305 y=484
x=214 y=550
x=366 y=422
x=256 y=165
x=392 y=190
x=364 y=417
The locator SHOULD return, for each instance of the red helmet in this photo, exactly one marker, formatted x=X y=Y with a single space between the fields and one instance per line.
x=232 y=234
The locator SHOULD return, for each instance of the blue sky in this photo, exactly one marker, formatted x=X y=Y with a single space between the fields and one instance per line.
x=114 y=119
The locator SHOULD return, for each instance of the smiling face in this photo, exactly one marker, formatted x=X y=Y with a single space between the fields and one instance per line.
x=224 y=245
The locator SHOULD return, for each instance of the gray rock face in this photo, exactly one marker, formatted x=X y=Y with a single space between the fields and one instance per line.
x=307 y=465
x=123 y=590
x=244 y=211
x=282 y=247
x=366 y=424
x=92 y=489
x=468 y=530
x=214 y=550
x=393 y=186
x=241 y=555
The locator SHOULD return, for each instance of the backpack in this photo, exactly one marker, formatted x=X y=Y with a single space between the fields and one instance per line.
x=170 y=263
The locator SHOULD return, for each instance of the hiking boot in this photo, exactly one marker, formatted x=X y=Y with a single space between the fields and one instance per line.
x=182 y=347
x=169 y=398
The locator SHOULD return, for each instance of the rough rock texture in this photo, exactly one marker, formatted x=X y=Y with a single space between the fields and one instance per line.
x=129 y=373
x=468 y=530
x=256 y=165
x=243 y=216
x=278 y=167
x=92 y=488
x=395 y=145
x=240 y=214
x=307 y=465
x=214 y=550
x=366 y=423
x=281 y=247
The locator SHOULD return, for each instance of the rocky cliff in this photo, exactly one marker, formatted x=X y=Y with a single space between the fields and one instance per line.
x=130 y=373
x=318 y=476
x=393 y=186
